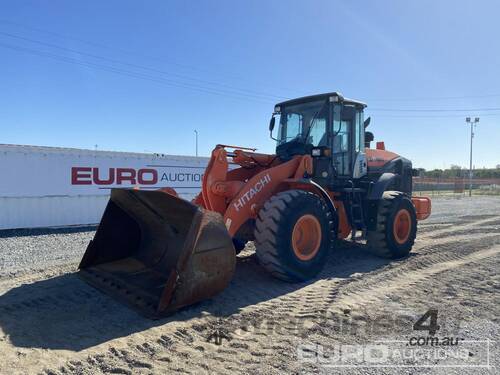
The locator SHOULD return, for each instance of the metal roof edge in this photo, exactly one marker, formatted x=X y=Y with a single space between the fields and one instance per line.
x=321 y=96
x=51 y=149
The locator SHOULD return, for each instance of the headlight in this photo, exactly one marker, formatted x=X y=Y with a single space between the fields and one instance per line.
x=316 y=152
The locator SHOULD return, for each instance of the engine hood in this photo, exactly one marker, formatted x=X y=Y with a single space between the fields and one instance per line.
x=379 y=158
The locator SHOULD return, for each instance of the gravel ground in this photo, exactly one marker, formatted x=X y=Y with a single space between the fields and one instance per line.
x=29 y=250
x=53 y=323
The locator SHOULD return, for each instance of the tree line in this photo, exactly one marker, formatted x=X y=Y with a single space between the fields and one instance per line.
x=457 y=171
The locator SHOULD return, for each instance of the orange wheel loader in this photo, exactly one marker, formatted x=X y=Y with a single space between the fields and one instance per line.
x=157 y=252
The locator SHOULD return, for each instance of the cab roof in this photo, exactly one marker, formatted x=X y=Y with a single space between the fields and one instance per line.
x=322 y=96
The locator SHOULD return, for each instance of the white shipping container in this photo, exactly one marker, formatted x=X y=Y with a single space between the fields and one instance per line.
x=51 y=186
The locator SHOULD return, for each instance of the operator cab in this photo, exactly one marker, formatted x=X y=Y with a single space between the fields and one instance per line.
x=328 y=127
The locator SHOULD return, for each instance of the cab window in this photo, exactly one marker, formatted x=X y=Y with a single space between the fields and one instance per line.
x=341 y=140
x=317 y=135
x=291 y=127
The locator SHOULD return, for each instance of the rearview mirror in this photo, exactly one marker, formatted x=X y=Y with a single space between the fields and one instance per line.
x=271 y=124
x=271 y=127
x=367 y=122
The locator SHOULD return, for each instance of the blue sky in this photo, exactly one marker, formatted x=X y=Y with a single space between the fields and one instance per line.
x=141 y=76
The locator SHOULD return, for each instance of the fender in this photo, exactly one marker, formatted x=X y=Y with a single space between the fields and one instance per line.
x=318 y=189
x=381 y=185
x=256 y=191
x=310 y=185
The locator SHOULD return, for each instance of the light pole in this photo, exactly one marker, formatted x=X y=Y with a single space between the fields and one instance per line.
x=472 y=125
x=196 y=132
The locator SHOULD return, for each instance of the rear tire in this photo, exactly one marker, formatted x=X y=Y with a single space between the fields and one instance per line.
x=293 y=234
x=396 y=228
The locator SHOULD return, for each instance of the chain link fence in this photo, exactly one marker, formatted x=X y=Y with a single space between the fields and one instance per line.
x=455 y=186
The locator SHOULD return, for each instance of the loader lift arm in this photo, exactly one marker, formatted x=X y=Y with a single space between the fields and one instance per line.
x=239 y=194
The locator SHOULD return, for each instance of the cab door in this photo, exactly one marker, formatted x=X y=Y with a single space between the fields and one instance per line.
x=360 y=165
x=348 y=156
x=341 y=142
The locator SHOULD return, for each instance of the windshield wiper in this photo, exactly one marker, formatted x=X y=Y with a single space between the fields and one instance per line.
x=312 y=121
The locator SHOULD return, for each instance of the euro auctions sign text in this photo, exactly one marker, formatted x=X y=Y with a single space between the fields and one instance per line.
x=186 y=177
x=131 y=176
x=32 y=171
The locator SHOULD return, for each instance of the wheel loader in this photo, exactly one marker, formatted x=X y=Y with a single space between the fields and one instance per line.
x=157 y=252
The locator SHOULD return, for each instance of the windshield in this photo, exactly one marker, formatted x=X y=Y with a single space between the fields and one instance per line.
x=304 y=120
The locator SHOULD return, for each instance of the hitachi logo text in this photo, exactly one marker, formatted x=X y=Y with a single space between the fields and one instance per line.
x=245 y=198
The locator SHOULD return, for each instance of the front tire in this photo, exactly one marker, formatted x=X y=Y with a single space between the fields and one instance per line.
x=396 y=228
x=293 y=234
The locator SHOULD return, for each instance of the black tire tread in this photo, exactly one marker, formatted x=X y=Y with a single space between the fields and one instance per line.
x=266 y=232
x=376 y=240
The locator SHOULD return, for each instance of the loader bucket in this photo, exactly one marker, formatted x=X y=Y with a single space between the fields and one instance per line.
x=158 y=253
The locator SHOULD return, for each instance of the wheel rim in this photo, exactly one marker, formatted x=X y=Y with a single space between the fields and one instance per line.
x=306 y=237
x=402 y=226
